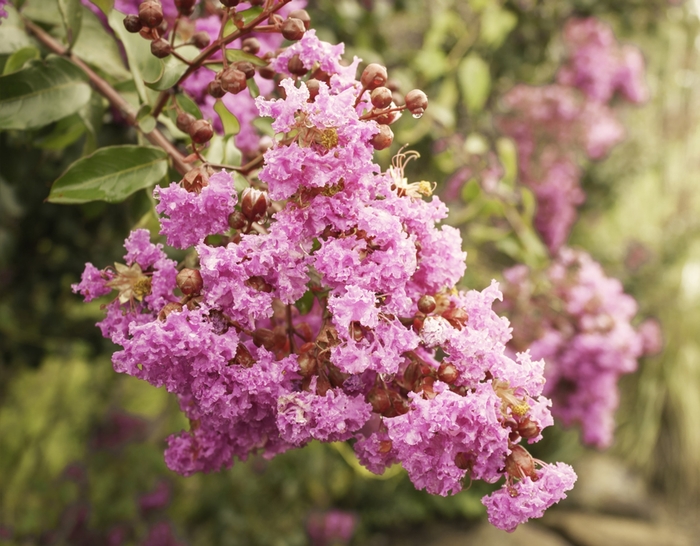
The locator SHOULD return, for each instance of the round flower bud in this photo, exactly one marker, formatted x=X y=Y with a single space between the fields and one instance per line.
x=185 y=7
x=246 y=67
x=236 y=220
x=427 y=304
x=416 y=102
x=151 y=13
x=383 y=138
x=254 y=204
x=170 y=307
x=266 y=72
x=381 y=97
x=184 y=120
x=132 y=23
x=214 y=89
x=293 y=29
x=528 y=428
x=520 y=463
x=230 y=3
x=373 y=76
x=303 y=16
x=296 y=66
x=201 y=131
x=232 y=80
x=250 y=45
x=385 y=117
x=189 y=281
x=447 y=373
x=161 y=48
x=313 y=85
x=464 y=461
x=200 y=39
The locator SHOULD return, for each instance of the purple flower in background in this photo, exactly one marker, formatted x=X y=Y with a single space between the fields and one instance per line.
x=334 y=527
x=3 y=13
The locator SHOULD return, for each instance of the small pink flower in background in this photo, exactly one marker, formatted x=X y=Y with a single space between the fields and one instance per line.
x=332 y=528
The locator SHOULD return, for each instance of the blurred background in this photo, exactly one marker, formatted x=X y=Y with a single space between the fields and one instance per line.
x=81 y=447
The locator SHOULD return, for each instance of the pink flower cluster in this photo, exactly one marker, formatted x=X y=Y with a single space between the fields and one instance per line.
x=554 y=125
x=578 y=320
x=3 y=13
x=329 y=312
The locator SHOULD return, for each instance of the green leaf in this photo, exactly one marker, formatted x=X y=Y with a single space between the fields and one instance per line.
x=253 y=88
x=146 y=122
x=19 y=58
x=475 y=82
x=91 y=115
x=65 y=133
x=508 y=156
x=496 y=24
x=305 y=303
x=143 y=65
x=42 y=93
x=234 y=55
x=72 y=17
x=12 y=34
x=229 y=121
x=188 y=105
x=104 y=5
x=110 y=174
x=172 y=68
x=98 y=48
x=43 y=11
x=246 y=16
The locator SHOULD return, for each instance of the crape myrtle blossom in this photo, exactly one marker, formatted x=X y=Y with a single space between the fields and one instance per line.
x=3 y=13
x=578 y=320
x=326 y=309
x=555 y=126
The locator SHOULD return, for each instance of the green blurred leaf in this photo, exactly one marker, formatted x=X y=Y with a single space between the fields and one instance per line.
x=71 y=17
x=234 y=55
x=508 y=156
x=305 y=303
x=98 y=48
x=432 y=63
x=110 y=174
x=475 y=82
x=19 y=58
x=65 y=133
x=91 y=115
x=229 y=121
x=12 y=34
x=188 y=105
x=42 y=93
x=105 y=5
x=471 y=190
x=496 y=24
x=143 y=65
x=253 y=88
x=172 y=68
x=43 y=11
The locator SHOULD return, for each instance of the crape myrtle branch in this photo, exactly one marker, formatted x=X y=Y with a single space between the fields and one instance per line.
x=155 y=137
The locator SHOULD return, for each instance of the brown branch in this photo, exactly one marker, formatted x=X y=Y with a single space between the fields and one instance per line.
x=155 y=137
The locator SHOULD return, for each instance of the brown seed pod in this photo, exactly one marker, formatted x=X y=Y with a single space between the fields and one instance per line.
x=427 y=304
x=293 y=29
x=230 y=3
x=250 y=45
x=303 y=16
x=185 y=7
x=236 y=220
x=383 y=138
x=201 y=131
x=254 y=204
x=184 y=120
x=246 y=67
x=170 y=307
x=214 y=89
x=448 y=373
x=416 y=102
x=200 y=39
x=232 y=80
x=161 y=48
x=151 y=13
x=266 y=72
x=381 y=97
x=132 y=23
x=373 y=76
x=296 y=66
x=189 y=281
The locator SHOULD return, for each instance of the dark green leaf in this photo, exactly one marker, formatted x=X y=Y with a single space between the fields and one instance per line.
x=42 y=93
x=229 y=121
x=72 y=17
x=253 y=88
x=65 y=133
x=305 y=303
x=98 y=48
x=110 y=174
x=234 y=55
x=91 y=115
x=188 y=105
x=172 y=69
x=246 y=16
x=19 y=58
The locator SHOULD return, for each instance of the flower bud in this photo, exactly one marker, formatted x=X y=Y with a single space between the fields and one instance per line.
x=201 y=131
x=266 y=72
x=214 y=89
x=151 y=13
x=528 y=428
x=296 y=66
x=427 y=304
x=232 y=80
x=200 y=39
x=250 y=45
x=303 y=16
x=189 y=281
x=184 y=121
x=243 y=357
x=381 y=97
x=373 y=76
x=230 y=3
x=132 y=23
x=254 y=204
x=196 y=179
x=272 y=341
x=378 y=398
x=416 y=102
x=161 y=48
x=185 y=7
x=383 y=138
x=293 y=29
x=447 y=373
x=456 y=316
x=519 y=463
x=146 y=33
x=386 y=117
x=313 y=86
x=258 y=283
x=170 y=307
x=464 y=461
x=246 y=67
x=236 y=220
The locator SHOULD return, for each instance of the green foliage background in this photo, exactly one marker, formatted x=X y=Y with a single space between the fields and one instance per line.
x=58 y=391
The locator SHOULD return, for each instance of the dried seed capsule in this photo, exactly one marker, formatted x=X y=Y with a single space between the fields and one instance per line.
x=185 y=7
x=254 y=203
x=132 y=23
x=250 y=45
x=201 y=39
x=416 y=102
x=189 y=281
x=266 y=72
x=457 y=317
x=373 y=76
x=427 y=304
x=236 y=220
x=528 y=428
x=383 y=138
x=184 y=120
x=170 y=307
x=151 y=13
x=448 y=373
x=246 y=67
x=293 y=29
x=381 y=97
x=232 y=80
x=201 y=131
x=378 y=398
x=303 y=16
x=296 y=66
x=161 y=48
x=214 y=89
x=519 y=463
